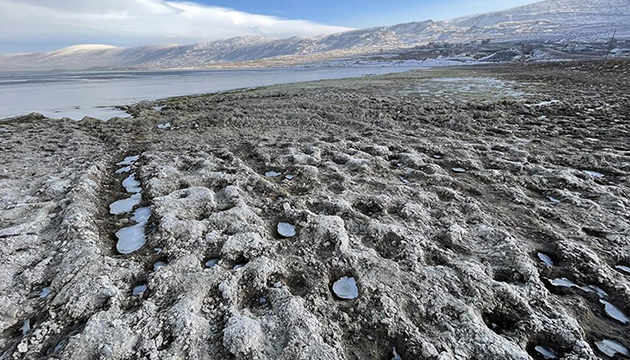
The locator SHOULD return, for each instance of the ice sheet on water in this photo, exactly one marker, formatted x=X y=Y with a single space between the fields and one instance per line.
x=286 y=230
x=132 y=238
x=614 y=312
x=611 y=347
x=129 y=160
x=545 y=352
x=545 y=258
x=131 y=184
x=125 y=205
x=346 y=288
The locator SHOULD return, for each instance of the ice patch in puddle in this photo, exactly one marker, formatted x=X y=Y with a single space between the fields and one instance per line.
x=623 y=268
x=346 y=288
x=396 y=356
x=212 y=262
x=553 y=199
x=272 y=174
x=132 y=238
x=123 y=170
x=594 y=174
x=614 y=312
x=131 y=184
x=611 y=348
x=546 y=352
x=564 y=282
x=286 y=230
x=459 y=170
x=139 y=290
x=289 y=177
x=164 y=126
x=44 y=293
x=125 y=205
x=129 y=160
x=158 y=265
x=238 y=266
x=26 y=327
x=545 y=258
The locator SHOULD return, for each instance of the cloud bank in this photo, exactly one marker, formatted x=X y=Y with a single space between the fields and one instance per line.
x=139 y=22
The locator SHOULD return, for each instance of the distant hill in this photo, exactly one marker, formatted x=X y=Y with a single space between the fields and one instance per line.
x=547 y=20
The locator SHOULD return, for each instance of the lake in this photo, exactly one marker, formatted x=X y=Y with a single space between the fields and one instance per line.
x=95 y=94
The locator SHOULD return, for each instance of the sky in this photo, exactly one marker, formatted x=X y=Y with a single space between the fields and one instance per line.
x=45 y=25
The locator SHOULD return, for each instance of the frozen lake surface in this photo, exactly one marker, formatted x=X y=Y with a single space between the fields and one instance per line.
x=95 y=94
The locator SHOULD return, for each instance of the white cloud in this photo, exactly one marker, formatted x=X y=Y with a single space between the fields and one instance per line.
x=139 y=22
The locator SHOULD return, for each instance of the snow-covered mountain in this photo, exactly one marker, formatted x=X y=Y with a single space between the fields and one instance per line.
x=551 y=19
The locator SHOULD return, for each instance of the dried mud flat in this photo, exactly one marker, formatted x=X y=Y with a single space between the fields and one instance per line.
x=482 y=212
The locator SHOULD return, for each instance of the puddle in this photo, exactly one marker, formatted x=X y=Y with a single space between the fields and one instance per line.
x=595 y=174
x=346 y=288
x=623 y=268
x=545 y=258
x=238 y=266
x=272 y=174
x=611 y=348
x=614 y=312
x=158 y=265
x=212 y=262
x=131 y=184
x=546 y=352
x=436 y=156
x=26 y=327
x=396 y=356
x=289 y=177
x=459 y=170
x=132 y=238
x=164 y=126
x=286 y=230
x=159 y=108
x=138 y=290
x=564 y=282
x=125 y=169
x=553 y=199
x=125 y=205
x=129 y=160
x=44 y=293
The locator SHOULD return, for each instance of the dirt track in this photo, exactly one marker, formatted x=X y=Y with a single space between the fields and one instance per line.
x=446 y=262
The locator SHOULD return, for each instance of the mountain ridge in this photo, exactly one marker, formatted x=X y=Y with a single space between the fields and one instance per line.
x=545 y=20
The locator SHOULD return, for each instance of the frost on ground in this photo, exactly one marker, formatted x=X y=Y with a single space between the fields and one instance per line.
x=430 y=262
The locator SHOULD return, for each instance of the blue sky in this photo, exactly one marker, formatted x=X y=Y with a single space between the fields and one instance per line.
x=45 y=25
x=366 y=13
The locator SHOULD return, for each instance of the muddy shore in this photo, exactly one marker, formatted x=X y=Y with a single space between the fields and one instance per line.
x=482 y=212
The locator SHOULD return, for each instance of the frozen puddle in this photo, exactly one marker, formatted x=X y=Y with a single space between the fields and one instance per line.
x=614 y=312
x=595 y=174
x=289 y=177
x=272 y=174
x=623 y=268
x=459 y=170
x=158 y=265
x=26 y=327
x=346 y=288
x=125 y=169
x=129 y=160
x=553 y=199
x=286 y=230
x=164 y=126
x=125 y=205
x=131 y=239
x=546 y=352
x=131 y=184
x=564 y=282
x=545 y=258
x=212 y=262
x=44 y=293
x=138 y=290
x=611 y=348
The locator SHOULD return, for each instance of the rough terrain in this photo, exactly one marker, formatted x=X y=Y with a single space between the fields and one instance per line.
x=440 y=192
